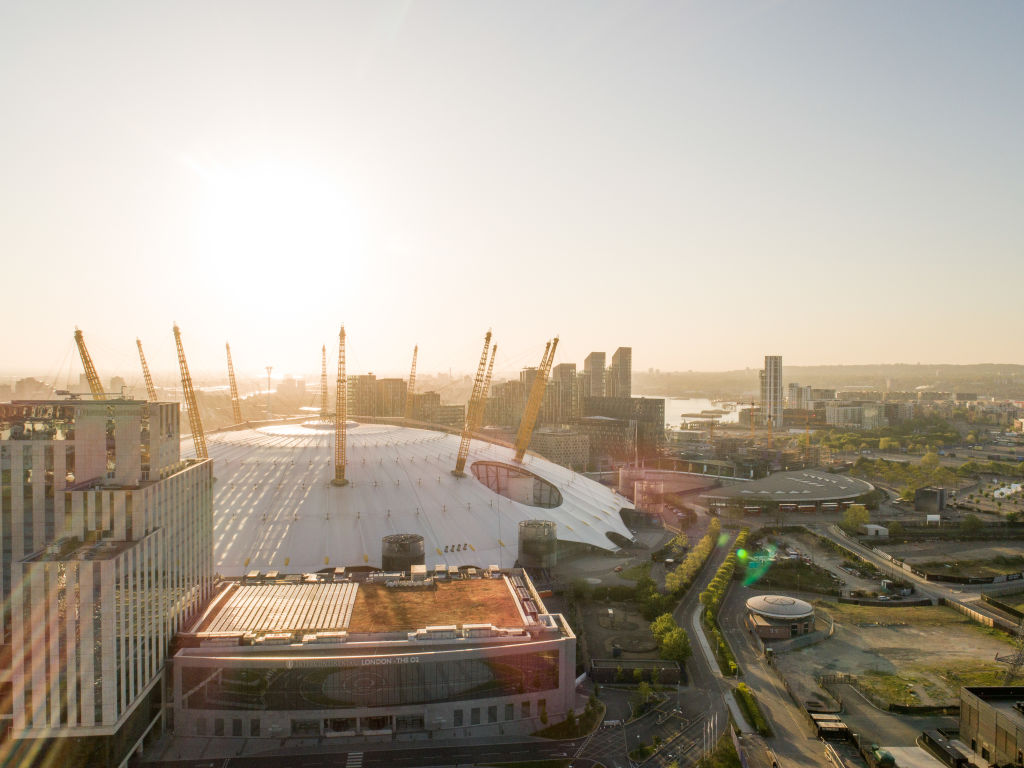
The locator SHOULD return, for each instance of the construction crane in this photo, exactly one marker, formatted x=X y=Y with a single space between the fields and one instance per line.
x=323 y=383
x=195 y=422
x=410 y=392
x=340 y=414
x=467 y=430
x=540 y=382
x=150 y=389
x=90 y=370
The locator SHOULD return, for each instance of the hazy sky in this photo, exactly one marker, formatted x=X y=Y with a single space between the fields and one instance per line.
x=706 y=181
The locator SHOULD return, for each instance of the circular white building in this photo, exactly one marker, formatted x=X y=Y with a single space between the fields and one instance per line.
x=778 y=617
x=276 y=509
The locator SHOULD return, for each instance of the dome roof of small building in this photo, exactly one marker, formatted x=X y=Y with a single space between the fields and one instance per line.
x=779 y=607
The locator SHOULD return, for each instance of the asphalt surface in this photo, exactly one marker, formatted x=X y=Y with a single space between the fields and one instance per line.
x=885 y=728
x=794 y=739
x=399 y=758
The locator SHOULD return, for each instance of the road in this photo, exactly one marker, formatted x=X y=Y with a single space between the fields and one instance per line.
x=933 y=589
x=794 y=740
x=885 y=728
x=399 y=758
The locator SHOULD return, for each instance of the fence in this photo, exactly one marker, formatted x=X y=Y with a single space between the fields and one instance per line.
x=828 y=681
x=1002 y=606
x=988 y=621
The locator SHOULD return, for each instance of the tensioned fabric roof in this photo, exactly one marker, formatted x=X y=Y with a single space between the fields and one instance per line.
x=275 y=507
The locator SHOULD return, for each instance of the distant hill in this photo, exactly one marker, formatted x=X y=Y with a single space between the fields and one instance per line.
x=993 y=380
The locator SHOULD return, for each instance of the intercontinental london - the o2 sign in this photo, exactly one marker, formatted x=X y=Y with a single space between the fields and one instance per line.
x=374 y=661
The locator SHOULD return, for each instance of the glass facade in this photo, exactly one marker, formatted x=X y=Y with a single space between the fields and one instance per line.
x=385 y=681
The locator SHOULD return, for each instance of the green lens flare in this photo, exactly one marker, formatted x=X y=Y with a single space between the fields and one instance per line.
x=759 y=564
x=741 y=554
x=723 y=539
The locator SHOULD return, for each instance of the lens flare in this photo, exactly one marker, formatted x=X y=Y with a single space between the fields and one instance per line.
x=741 y=554
x=723 y=539
x=759 y=564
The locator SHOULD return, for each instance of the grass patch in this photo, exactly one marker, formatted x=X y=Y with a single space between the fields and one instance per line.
x=636 y=572
x=583 y=725
x=995 y=566
x=752 y=710
x=1014 y=601
x=895 y=689
x=921 y=616
x=642 y=752
x=723 y=756
x=790 y=575
x=979 y=673
x=380 y=609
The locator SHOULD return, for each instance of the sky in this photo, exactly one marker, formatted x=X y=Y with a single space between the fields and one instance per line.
x=707 y=182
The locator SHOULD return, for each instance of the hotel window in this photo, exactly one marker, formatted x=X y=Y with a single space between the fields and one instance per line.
x=474 y=716
x=525 y=709
x=457 y=718
x=510 y=711
x=492 y=714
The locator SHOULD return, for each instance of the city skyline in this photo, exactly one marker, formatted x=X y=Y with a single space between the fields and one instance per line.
x=760 y=174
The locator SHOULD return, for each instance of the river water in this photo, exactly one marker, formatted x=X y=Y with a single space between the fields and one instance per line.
x=676 y=407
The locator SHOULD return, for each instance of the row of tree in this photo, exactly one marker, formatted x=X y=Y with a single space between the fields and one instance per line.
x=711 y=598
x=679 y=580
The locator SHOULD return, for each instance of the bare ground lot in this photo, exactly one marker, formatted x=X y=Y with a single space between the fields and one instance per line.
x=918 y=656
x=960 y=558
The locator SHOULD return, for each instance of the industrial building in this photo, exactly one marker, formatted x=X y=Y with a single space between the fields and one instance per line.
x=107 y=550
x=778 y=617
x=992 y=723
x=429 y=653
x=276 y=509
x=807 y=490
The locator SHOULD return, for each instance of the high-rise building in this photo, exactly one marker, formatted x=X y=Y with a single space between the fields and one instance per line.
x=362 y=395
x=391 y=395
x=771 y=391
x=620 y=374
x=565 y=394
x=593 y=370
x=107 y=549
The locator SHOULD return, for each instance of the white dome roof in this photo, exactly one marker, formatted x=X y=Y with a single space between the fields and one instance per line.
x=779 y=607
x=275 y=507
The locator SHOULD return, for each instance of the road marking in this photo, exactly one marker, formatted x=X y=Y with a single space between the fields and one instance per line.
x=355 y=760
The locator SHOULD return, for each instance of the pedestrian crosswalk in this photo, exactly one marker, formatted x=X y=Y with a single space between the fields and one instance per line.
x=355 y=760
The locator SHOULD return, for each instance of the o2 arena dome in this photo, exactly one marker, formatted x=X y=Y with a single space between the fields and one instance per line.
x=276 y=509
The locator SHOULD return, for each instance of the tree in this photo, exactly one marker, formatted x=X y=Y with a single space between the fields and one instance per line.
x=643 y=693
x=930 y=461
x=662 y=625
x=855 y=516
x=971 y=525
x=895 y=528
x=676 y=646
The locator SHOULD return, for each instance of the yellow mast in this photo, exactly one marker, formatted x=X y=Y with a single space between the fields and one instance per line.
x=410 y=392
x=90 y=370
x=195 y=422
x=236 y=408
x=340 y=414
x=478 y=385
x=150 y=389
x=323 y=383
x=540 y=382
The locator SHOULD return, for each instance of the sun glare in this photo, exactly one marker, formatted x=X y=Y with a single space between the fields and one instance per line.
x=264 y=215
